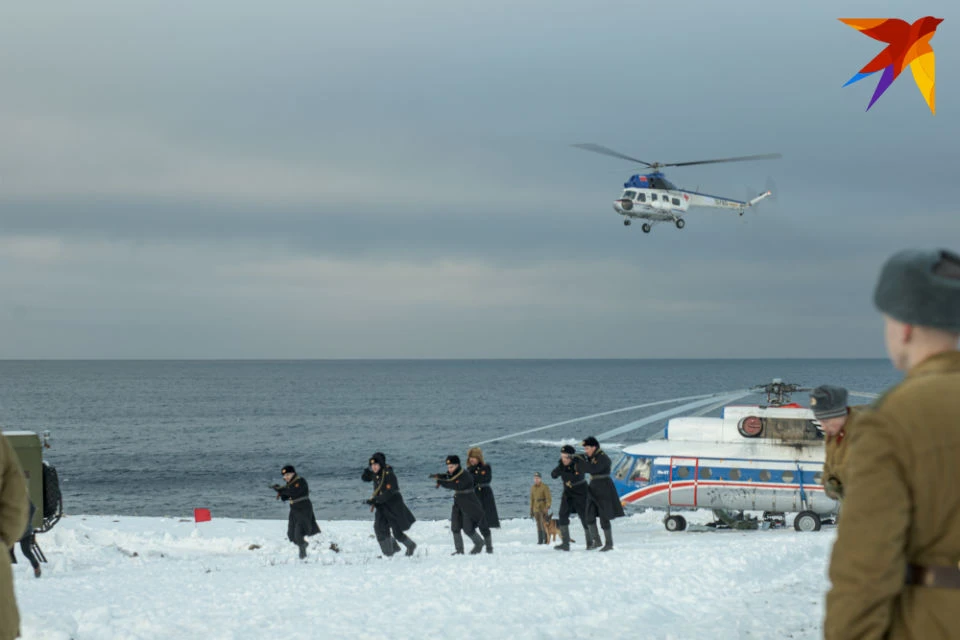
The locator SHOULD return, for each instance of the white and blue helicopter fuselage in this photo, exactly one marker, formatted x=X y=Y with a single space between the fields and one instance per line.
x=652 y=197
x=753 y=458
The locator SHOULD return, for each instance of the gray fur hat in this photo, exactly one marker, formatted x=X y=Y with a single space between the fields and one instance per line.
x=921 y=287
x=828 y=401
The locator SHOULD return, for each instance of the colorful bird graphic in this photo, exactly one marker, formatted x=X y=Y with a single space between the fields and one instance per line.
x=907 y=44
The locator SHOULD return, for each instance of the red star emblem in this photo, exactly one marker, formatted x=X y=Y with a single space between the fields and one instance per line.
x=686 y=197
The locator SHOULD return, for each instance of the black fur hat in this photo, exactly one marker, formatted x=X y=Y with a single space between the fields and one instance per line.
x=288 y=469
x=590 y=442
x=567 y=449
x=921 y=288
x=453 y=460
x=379 y=458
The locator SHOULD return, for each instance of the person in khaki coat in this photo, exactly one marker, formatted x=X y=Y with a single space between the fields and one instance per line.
x=540 y=501
x=894 y=565
x=829 y=405
x=14 y=509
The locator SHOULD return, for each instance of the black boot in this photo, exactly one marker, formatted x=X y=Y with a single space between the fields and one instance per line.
x=477 y=543
x=594 y=538
x=565 y=537
x=396 y=547
x=541 y=536
x=409 y=544
x=457 y=544
x=386 y=546
x=608 y=540
x=488 y=541
x=303 y=550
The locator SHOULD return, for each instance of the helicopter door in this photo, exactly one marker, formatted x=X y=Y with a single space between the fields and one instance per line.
x=683 y=482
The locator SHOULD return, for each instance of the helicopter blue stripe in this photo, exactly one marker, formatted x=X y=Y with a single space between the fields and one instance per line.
x=707 y=195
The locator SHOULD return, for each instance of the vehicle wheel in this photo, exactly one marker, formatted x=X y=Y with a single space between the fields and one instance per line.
x=626 y=223
x=680 y=223
x=806 y=521
x=646 y=228
x=675 y=523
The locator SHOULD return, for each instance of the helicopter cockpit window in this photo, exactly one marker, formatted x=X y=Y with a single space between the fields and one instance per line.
x=623 y=468
x=641 y=197
x=628 y=195
x=641 y=472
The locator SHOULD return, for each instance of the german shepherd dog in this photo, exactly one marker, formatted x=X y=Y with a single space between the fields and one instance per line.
x=552 y=528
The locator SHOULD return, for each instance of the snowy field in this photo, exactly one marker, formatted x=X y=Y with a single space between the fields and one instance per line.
x=127 y=577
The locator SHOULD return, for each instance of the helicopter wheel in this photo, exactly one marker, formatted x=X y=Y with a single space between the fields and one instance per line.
x=675 y=523
x=645 y=227
x=680 y=223
x=626 y=222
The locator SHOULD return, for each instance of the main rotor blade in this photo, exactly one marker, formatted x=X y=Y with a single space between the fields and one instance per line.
x=633 y=426
x=765 y=156
x=597 y=415
x=596 y=148
x=863 y=394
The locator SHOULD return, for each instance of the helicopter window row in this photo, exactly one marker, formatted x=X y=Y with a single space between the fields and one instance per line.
x=675 y=201
x=765 y=475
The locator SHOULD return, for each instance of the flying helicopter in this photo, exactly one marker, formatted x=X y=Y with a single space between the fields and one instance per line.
x=653 y=198
x=756 y=457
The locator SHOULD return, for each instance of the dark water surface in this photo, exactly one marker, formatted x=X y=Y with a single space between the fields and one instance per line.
x=158 y=438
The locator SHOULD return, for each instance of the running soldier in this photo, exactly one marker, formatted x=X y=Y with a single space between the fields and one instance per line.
x=604 y=501
x=301 y=522
x=27 y=540
x=482 y=476
x=574 y=497
x=467 y=512
x=392 y=512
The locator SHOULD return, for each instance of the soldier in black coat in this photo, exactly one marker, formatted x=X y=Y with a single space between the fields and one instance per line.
x=392 y=512
x=467 y=513
x=301 y=522
x=482 y=476
x=604 y=501
x=574 y=497
x=27 y=541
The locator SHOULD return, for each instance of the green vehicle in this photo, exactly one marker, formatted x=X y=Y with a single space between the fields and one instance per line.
x=42 y=481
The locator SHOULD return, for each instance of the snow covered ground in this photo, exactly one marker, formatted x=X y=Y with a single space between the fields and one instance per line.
x=127 y=577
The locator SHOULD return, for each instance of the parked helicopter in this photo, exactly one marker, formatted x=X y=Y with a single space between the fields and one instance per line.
x=653 y=198
x=766 y=457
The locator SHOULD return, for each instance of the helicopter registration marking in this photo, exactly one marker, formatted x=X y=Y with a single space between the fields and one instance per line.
x=724 y=203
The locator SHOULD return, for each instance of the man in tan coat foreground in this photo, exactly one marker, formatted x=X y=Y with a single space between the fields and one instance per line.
x=894 y=566
x=14 y=510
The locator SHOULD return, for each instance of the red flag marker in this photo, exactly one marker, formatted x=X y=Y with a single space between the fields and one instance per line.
x=201 y=515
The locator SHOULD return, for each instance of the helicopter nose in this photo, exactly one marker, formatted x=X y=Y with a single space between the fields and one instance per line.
x=623 y=205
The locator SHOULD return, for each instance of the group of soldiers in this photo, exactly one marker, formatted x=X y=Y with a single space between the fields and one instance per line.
x=474 y=509
x=894 y=466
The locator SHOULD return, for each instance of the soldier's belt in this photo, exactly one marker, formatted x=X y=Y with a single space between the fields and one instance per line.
x=599 y=475
x=300 y=499
x=937 y=577
x=575 y=484
x=485 y=484
x=463 y=491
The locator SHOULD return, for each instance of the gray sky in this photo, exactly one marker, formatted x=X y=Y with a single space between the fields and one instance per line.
x=381 y=179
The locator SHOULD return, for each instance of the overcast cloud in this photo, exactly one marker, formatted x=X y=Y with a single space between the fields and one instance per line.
x=379 y=179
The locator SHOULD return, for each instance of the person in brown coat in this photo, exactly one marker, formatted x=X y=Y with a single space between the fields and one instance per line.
x=540 y=501
x=893 y=567
x=14 y=510
x=829 y=405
